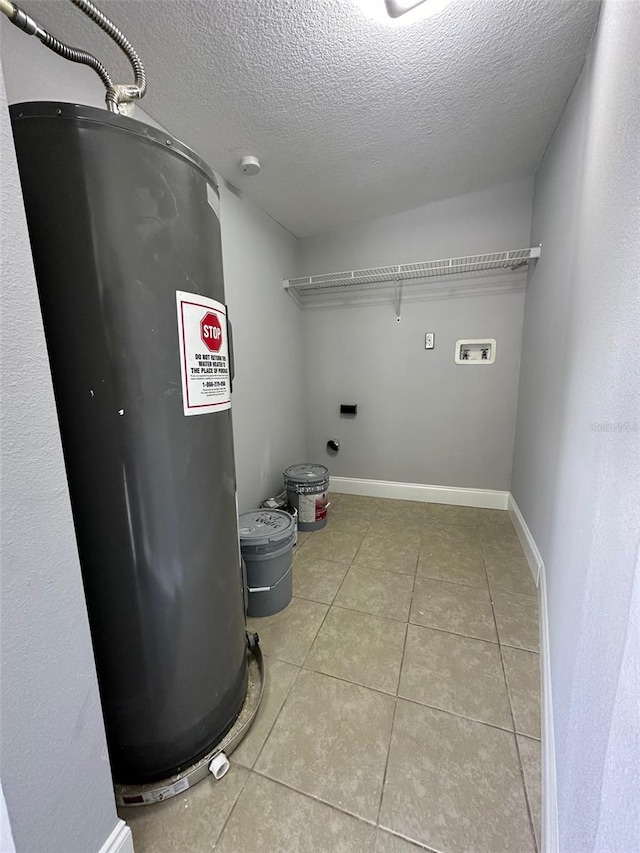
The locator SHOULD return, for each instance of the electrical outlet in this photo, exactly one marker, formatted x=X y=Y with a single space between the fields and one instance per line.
x=429 y=340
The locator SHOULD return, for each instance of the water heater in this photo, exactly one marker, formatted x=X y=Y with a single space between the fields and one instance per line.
x=125 y=235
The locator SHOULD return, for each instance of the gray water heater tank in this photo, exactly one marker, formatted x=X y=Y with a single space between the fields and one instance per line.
x=121 y=219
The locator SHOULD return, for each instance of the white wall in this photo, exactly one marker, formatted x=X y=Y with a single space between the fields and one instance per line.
x=421 y=417
x=53 y=763
x=577 y=457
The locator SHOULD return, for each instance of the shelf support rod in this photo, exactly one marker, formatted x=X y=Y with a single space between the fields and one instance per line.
x=398 y=298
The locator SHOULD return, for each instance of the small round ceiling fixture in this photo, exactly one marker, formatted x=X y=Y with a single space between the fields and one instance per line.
x=393 y=12
x=250 y=165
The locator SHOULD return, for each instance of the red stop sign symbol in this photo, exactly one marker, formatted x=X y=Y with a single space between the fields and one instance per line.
x=211 y=332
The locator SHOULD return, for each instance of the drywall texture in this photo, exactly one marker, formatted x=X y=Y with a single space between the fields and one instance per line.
x=577 y=456
x=53 y=763
x=352 y=114
x=421 y=417
x=268 y=400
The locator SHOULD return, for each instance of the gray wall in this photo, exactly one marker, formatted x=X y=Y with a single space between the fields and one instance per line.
x=577 y=458
x=268 y=403
x=421 y=417
x=494 y=219
x=54 y=766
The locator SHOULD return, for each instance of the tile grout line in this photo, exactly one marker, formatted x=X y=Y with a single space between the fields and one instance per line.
x=414 y=702
x=315 y=637
x=513 y=717
x=314 y=798
x=233 y=807
x=395 y=701
x=368 y=613
x=418 y=844
x=286 y=696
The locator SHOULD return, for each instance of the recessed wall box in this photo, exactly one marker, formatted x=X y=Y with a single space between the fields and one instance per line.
x=476 y=351
x=348 y=409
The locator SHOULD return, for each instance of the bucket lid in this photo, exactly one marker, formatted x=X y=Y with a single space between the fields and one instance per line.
x=260 y=526
x=305 y=472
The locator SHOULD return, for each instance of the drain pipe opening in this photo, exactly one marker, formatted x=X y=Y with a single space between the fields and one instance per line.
x=219 y=765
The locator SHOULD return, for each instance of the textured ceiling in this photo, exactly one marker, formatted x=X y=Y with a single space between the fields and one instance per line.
x=351 y=118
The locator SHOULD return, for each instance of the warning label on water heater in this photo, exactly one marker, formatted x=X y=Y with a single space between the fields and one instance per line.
x=204 y=354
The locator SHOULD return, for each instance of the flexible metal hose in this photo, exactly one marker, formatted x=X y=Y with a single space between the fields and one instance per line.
x=24 y=22
x=117 y=93
x=74 y=54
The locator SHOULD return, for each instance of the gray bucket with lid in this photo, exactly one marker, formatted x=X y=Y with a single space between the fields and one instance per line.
x=266 y=542
x=307 y=485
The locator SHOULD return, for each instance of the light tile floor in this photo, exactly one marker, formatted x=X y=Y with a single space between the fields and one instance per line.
x=402 y=704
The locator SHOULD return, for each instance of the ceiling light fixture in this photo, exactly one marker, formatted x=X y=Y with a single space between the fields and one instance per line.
x=393 y=12
x=395 y=8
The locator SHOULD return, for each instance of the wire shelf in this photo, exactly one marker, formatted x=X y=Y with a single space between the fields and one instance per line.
x=352 y=281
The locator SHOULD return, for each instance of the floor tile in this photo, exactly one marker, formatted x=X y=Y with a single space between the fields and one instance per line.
x=397 y=530
x=406 y=511
x=191 y=821
x=359 y=647
x=517 y=619
x=531 y=765
x=355 y=502
x=446 y=514
x=346 y=522
x=289 y=634
x=509 y=574
x=455 y=565
x=279 y=678
x=437 y=536
x=317 y=580
x=331 y=741
x=337 y=546
x=455 y=674
x=494 y=518
x=388 y=843
x=354 y=518
x=500 y=538
x=453 y=607
x=454 y=785
x=380 y=593
x=503 y=547
x=387 y=554
x=523 y=680
x=270 y=818
x=303 y=535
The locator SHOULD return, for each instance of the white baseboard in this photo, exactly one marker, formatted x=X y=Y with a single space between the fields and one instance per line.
x=526 y=539
x=120 y=840
x=484 y=498
x=550 y=841
x=550 y=836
